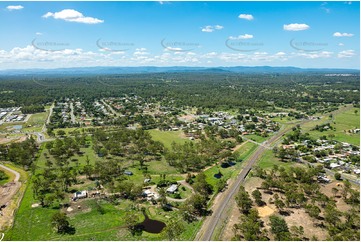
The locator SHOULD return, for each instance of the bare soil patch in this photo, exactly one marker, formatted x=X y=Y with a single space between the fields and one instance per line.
x=234 y=218
x=265 y=211
x=188 y=117
x=4 y=140
x=295 y=217
x=340 y=203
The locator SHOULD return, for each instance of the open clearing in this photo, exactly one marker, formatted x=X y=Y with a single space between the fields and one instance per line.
x=167 y=137
x=345 y=119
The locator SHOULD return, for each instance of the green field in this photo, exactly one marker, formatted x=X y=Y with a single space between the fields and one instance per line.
x=256 y=138
x=268 y=160
x=243 y=152
x=34 y=223
x=167 y=137
x=35 y=122
x=346 y=119
x=76 y=160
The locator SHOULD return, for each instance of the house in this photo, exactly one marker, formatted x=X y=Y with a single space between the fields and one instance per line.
x=129 y=173
x=323 y=179
x=172 y=188
x=147 y=193
x=288 y=146
x=82 y=194
x=334 y=165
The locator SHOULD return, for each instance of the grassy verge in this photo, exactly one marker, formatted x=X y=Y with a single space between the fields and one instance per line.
x=256 y=138
x=268 y=160
x=243 y=152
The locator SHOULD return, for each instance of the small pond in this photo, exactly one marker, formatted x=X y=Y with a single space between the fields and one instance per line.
x=151 y=225
x=17 y=127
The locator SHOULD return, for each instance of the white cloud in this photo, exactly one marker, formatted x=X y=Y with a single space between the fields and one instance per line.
x=207 y=29
x=338 y=34
x=14 y=7
x=71 y=15
x=280 y=53
x=340 y=44
x=210 y=28
x=246 y=16
x=245 y=36
x=327 y=10
x=349 y=2
x=295 y=27
x=315 y=54
x=38 y=33
x=346 y=54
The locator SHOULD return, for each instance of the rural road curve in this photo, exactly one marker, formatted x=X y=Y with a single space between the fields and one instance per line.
x=209 y=225
x=17 y=174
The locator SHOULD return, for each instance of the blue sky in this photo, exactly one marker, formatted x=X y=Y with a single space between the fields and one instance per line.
x=75 y=34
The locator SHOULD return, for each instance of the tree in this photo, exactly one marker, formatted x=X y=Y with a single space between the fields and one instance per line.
x=174 y=229
x=61 y=133
x=60 y=221
x=250 y=227
x=313 y=210
x=279 y=204
x=346 y=189
x=279 y=228
x=297 y=232
x=221 y=184
x=257 y=195
x=131 y=221
x=334 y=191
x=243 y=200
x=332 y=215
x=201 y=185
x=162 y=197
x=337 y=176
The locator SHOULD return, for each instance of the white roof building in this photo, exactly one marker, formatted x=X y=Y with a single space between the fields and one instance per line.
x=172 y=188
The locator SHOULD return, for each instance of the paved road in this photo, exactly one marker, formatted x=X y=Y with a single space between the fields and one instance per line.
x=264 y=144
x=72 y=116
x=17 y=174
x=207 y=230
x=110 y=108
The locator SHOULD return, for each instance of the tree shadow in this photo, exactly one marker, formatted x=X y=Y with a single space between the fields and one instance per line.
x=70 y=230
x=218 y=175
x=285 y=213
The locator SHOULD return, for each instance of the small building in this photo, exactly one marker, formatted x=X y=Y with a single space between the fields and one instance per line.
x=129 y=173
x=172 y=188
x=146 y=180
x=82 y=194
x=323 y=179
x=334 y=165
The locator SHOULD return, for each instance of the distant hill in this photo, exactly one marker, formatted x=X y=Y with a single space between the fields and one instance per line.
x=173 y=69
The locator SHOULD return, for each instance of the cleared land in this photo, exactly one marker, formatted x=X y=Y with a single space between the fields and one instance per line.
x=167 y=137
x=345 y=119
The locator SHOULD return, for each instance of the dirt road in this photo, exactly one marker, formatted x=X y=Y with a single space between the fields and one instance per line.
x=7 y=193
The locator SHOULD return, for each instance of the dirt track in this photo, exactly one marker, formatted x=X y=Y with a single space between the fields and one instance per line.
x=7 y=193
